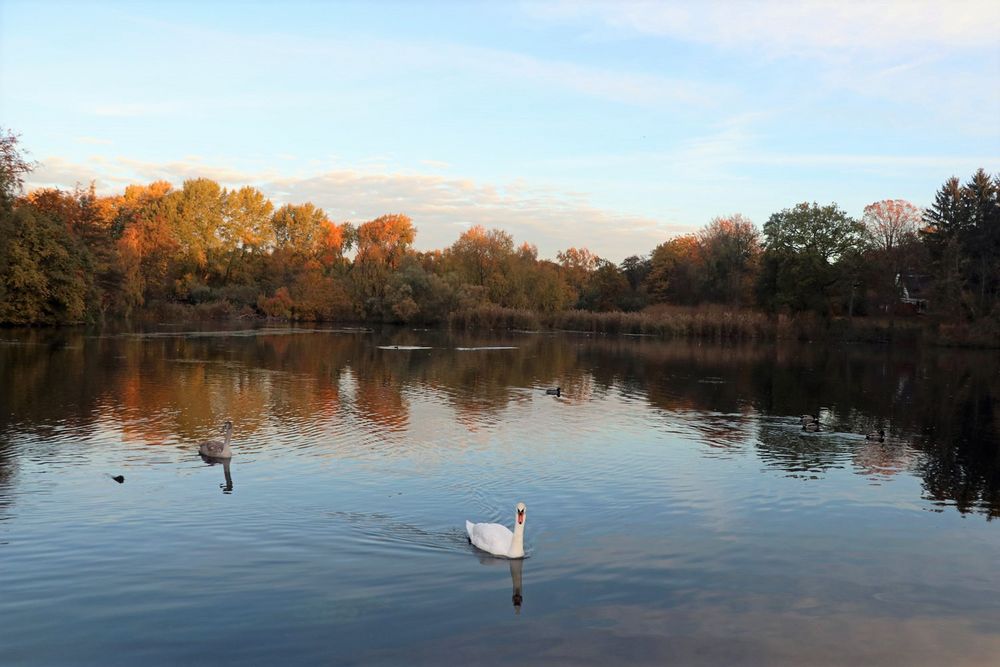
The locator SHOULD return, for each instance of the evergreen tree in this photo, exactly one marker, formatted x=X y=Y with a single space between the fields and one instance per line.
x=963 y=238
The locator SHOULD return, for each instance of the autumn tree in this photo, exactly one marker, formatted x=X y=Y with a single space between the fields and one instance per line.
x=483 y=258
x=147 y=245
x=605 y=289
x=196 y=214
x=730 y=252
x=538 y=285
x=675 y=268
x=382 y=244
x=548 y=291
x=13 y=168
x=299 y=228
x=577 y=265
x=892 y=227
x=317 y=296
x=890 y=223
x=247 y=230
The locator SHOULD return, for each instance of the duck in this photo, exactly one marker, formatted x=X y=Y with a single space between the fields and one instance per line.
x=809 y=418
x=498 y=540
x=876 y=436
x=216 y=449
x=811 y=427
x=554 y=392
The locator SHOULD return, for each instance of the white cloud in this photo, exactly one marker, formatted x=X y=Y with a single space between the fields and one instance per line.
x=441 y=207
x=933 y=62
x=798 y=27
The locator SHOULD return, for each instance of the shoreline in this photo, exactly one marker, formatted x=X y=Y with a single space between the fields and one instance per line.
x=707 y=323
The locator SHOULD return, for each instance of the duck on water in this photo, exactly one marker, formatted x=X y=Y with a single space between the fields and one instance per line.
x=810 y=423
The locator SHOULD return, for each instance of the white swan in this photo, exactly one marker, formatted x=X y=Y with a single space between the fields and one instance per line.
x=218 y=450
x=498 y=540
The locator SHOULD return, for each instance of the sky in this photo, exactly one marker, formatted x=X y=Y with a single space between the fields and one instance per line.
x=612 y=126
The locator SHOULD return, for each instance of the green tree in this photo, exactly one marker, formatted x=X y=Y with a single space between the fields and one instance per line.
x=606 y=288
x=810 y=258
x=635 y=268
x=44 y=272
x=89 y=220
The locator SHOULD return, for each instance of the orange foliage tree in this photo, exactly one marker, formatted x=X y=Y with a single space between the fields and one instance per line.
x=675 y=269
x=382 y=245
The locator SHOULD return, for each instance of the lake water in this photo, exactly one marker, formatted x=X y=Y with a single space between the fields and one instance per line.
x=677 y=513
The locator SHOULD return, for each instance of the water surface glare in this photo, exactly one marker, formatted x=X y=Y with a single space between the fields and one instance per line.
x=677 y=512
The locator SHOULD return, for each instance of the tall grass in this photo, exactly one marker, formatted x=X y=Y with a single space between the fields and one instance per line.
x=720 y=323
x=710 y=323
x=493 y=317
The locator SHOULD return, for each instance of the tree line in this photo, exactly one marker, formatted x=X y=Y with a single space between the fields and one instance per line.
x=202 y=249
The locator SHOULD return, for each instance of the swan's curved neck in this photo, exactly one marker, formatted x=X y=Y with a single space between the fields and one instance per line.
x=517 y=543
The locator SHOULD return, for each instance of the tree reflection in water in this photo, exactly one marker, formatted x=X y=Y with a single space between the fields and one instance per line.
x=939 y=407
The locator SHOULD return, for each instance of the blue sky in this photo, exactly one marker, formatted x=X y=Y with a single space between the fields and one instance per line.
x=607 y=125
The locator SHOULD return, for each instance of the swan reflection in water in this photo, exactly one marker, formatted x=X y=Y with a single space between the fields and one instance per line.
x=516 y=571
x=228 y=486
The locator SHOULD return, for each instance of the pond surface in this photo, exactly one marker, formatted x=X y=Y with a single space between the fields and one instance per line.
x=677 y=513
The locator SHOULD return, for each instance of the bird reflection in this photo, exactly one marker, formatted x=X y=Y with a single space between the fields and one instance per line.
x=227 y=488
x=516 y=568
x=516 y=571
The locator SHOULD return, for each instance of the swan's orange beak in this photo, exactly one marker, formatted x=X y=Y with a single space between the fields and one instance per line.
x=520 y=517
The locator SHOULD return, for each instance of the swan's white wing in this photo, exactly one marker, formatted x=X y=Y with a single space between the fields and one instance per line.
x=490 y=537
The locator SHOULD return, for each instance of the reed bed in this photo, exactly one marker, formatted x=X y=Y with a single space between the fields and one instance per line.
x=711 y=323
x=720 y=323
x=494 y=317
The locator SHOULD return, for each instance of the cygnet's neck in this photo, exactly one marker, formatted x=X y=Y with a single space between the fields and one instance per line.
x=225 y=444
x=517 y=543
